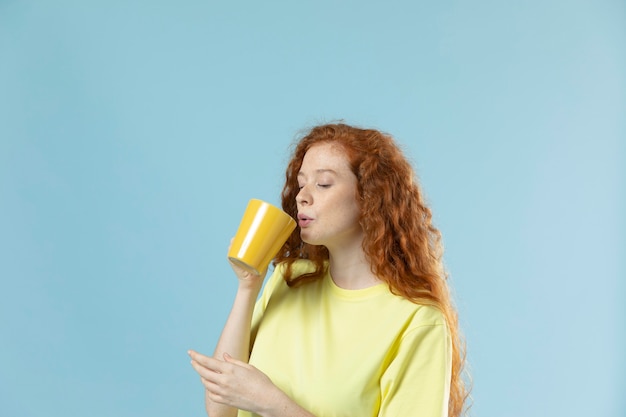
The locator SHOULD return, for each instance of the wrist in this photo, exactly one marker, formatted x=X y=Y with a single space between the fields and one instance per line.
x=276 y=403
x=246 y=287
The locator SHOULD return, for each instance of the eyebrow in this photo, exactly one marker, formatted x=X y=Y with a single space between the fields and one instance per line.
x=318 y=171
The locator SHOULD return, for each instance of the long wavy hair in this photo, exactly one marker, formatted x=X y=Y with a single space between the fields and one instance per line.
x=401 y=243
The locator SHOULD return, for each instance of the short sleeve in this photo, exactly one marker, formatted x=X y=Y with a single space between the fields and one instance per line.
x=417 y=380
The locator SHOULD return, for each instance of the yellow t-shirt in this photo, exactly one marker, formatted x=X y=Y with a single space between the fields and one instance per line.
x=340 y=352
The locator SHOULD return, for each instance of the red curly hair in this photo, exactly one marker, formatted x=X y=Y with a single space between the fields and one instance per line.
x=402 y=245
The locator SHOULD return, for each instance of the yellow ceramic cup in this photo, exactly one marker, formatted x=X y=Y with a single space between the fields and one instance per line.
x=263 y=230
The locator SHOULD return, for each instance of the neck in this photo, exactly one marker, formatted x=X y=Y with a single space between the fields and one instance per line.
x=350 y=270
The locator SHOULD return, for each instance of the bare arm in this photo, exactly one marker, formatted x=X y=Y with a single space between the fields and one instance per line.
x=235 y=337
x=231 y=383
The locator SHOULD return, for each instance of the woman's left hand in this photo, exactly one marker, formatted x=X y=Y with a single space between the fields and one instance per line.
x=235 y=383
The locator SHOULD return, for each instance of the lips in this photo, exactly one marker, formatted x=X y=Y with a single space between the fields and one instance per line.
x=304 y=220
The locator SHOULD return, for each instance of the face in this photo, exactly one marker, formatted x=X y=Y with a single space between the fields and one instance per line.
x=328 y=213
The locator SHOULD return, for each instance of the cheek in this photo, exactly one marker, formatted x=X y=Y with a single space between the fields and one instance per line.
x=350 y=216
x=356 y=211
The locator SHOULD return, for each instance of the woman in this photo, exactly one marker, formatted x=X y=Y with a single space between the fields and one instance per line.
x=356 y=319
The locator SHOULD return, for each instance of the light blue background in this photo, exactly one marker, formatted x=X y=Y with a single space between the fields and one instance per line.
x=133 y=133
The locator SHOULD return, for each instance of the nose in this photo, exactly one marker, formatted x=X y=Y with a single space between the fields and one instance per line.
x=304 y=196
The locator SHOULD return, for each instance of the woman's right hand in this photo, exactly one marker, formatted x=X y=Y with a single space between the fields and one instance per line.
x=245 y=277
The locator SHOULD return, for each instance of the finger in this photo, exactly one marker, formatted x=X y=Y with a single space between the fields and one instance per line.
x=210 y=364
x=206 y=373
x=241 y=272
x=211 y=387
x=206 y=361
x=198 y=357
x=216 y=397
x=193 y=354
x=231 y=360
x=215 y=393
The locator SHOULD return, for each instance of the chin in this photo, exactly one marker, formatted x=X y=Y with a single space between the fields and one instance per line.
x=309 y=240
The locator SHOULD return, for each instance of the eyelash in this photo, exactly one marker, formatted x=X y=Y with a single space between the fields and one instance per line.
x=319 y=185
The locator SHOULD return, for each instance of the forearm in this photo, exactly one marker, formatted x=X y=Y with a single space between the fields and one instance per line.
x=235 y=337
x=235 y=340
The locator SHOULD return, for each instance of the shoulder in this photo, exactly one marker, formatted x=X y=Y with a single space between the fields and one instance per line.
x=415 y=313
x=422 y=319
x=428 y=315
x=428 y=327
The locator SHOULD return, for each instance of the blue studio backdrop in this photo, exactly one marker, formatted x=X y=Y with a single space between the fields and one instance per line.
x=132 y=135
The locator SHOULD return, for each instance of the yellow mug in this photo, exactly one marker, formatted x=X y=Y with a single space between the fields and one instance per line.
x=263 y=230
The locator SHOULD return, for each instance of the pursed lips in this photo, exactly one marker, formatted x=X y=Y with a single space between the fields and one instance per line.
x=304 y=220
